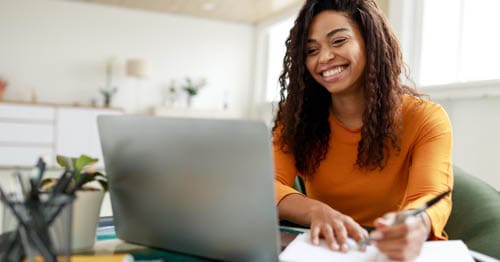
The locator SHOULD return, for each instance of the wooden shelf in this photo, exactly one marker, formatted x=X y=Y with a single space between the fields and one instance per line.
x=29 y=103
x=196 y=113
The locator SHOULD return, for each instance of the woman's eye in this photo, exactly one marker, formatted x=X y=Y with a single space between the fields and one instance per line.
x=311 y=51
x=338 y=41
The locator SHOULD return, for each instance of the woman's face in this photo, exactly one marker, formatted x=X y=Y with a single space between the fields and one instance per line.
x=335 y=52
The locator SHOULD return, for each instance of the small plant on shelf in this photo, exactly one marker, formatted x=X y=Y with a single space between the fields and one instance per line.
x=3 y=86
x=192 y=88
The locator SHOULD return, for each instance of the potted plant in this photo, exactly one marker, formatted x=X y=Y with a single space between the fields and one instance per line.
x=192 y=88
x=3 y=86
x=89 y=186
x=109 y=90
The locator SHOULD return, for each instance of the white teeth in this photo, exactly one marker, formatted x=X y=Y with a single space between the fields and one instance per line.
x=333 y=71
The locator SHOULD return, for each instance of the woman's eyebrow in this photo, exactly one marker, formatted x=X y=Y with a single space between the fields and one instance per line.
x=334 y=31
x=329 y=34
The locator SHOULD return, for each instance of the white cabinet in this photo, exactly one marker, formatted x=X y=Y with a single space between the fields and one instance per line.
x=195 y=113
x=77 y=132
x=29 y=131
x=23 y=156
x=30 y=112
x=26 y=133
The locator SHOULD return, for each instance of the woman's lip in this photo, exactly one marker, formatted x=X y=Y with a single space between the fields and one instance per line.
x=334 y=77
x=330 y=67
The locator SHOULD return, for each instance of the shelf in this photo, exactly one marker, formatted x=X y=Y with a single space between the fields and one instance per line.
x=196 y=113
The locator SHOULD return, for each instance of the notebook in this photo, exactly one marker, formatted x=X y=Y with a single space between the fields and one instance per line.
x=197 y=186
x=301 y=249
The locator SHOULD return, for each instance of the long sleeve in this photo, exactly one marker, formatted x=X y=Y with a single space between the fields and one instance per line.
x=431 y=171
x=285 y=173
x=420 y=170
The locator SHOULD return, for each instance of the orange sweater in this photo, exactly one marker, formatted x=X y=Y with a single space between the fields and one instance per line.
x=422 y=170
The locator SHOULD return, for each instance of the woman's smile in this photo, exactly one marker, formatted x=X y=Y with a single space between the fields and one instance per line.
x=334 y=73
x=335 y=52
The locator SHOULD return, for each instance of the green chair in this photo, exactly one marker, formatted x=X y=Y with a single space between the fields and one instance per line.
x=475 y=217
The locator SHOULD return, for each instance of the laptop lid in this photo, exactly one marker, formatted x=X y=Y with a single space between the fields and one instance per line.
x=197 y=186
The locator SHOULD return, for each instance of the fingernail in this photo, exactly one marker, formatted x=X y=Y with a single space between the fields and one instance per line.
x=335 y=246
x=376 y=235
x=316 y=241
x=345 y=248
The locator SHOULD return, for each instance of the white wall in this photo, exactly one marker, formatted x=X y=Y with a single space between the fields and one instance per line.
x=473 y=107
x=59 y=50
x=476 y=135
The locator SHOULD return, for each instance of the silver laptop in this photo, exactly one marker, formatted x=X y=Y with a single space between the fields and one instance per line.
x=196 y=186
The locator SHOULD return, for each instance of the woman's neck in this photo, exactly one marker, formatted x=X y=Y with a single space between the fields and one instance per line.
x=349 y=108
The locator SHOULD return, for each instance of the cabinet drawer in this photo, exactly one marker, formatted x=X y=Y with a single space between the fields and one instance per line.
x=24 y=156
x=27 y=112
x=26 y=133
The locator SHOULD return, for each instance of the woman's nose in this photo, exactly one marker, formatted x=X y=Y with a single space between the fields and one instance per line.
x=326 y=55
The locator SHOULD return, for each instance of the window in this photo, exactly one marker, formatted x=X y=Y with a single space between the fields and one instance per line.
x=277 y=35
x=460 y=41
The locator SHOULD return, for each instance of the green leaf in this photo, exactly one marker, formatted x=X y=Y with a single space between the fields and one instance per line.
x=99 y=174
x=83 y=179
x=104 y=184
x=80 y=177
x=48 y=184
x=84 y=160
x=65 y=162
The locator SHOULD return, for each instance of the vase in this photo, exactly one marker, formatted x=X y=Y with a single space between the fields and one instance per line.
x=86 y=209
x=85 y=218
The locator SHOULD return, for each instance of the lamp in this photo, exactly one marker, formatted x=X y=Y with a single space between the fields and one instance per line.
x=139 y=69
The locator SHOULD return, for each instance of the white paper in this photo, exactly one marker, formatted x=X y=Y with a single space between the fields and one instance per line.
x=301 y=249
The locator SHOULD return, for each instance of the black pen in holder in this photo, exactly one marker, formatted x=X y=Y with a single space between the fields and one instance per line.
x=36 y=224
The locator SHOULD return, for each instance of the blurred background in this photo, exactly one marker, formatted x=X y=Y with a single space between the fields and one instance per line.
x=63 y=62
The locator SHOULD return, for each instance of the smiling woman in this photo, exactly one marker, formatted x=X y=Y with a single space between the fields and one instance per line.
x=335 y=53
x=368 y=147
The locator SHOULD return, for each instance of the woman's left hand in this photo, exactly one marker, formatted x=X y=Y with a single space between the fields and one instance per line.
x=402 y=241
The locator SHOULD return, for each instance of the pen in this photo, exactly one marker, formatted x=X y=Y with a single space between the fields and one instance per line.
x=40 y=170
x=21 y=191
x=414 y=212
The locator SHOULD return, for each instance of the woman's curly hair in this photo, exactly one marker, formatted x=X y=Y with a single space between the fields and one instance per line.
x=301 y=126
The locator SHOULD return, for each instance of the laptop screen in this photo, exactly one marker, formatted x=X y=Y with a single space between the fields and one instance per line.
x=197 y=186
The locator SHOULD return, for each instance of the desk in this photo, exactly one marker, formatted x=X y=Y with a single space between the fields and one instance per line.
x=108 y=245
x=109 y=248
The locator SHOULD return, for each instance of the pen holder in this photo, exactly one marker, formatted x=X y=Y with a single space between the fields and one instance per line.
x=34 y=229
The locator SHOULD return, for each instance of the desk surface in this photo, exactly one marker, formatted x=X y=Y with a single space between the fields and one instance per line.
x=111 y=248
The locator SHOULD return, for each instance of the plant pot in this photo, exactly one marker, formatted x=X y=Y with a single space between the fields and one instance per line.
x=86 y=208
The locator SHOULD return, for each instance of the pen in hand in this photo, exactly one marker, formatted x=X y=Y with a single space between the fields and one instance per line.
x=414 y=212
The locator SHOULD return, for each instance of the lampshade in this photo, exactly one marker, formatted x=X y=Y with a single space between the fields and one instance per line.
x=137 y=68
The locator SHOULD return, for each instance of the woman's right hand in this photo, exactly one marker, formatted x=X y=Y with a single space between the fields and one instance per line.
x=325 y=222
x=333 y=226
